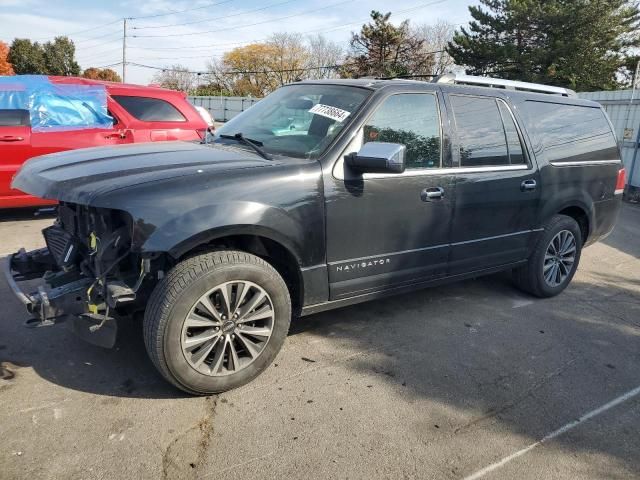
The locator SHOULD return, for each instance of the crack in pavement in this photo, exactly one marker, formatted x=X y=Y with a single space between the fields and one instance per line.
x=185 y=454
x=518 y=400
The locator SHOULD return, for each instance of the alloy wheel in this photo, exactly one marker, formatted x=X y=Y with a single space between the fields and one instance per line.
x=559 y=259
x=228 y=328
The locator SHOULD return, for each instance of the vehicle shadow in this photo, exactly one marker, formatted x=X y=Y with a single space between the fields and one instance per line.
x=26 y=214
x=479 y=348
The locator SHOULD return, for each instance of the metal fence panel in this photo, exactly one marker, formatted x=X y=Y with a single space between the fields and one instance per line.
x=224 y=109
x=623 y=115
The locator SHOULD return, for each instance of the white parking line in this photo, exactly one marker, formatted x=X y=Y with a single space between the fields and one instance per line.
x=555 y=433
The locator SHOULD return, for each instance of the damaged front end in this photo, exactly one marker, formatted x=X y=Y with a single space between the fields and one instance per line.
x=89 y=274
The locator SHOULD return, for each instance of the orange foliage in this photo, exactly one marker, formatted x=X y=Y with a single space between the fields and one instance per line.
x=5 y=67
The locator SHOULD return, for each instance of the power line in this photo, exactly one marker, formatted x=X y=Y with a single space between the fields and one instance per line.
x=177 y=12
x=80 y=31
x=216 y=18
x=246 y=25
x=320 y=30
x=265 y=71
x=242 y=72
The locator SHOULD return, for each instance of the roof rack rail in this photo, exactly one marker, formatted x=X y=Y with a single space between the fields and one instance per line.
x=458 y=79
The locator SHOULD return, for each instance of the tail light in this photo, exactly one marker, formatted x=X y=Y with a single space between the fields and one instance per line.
x=621 y=182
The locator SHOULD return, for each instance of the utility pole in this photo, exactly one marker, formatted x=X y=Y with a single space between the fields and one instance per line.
x=124 y=50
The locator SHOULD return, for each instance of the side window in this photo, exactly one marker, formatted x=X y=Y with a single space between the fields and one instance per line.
x=149 y=109
x=570 y=132
x=514 y=145
x=412 y=120
x=480 y=131
x=14 y=118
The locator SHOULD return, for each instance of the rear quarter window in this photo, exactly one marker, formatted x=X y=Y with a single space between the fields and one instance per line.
x=570 y=133
x=14 y=118
x=149 y=109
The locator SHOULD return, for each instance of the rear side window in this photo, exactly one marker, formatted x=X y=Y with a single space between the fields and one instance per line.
x=149 y=109
x=487 y=134
x=570 y=132
x=14 y=118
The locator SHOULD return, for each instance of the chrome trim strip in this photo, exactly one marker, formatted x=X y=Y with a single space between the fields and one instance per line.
x=415 y=250
x=419 y=172
x=314 y=267
x=586 y=163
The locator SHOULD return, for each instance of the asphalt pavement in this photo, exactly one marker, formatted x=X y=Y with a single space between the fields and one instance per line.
x=468 y=380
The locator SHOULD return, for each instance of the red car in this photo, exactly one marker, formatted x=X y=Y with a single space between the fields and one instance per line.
x=140 y=114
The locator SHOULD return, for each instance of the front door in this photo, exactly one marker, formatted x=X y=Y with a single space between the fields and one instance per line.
x=390 y=230
x=497 y=186
x=15 y=149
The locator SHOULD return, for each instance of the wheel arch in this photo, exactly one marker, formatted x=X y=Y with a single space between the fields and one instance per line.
x=258 y=241
x=580 y=215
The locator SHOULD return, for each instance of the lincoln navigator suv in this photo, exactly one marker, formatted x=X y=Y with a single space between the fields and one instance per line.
x=323 y=194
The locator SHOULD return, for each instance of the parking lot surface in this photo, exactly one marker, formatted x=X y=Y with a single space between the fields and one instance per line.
x=459 y=381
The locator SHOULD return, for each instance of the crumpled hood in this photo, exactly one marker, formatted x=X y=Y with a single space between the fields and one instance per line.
x=78 y=176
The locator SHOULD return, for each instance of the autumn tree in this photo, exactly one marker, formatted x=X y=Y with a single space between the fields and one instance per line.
x=382 y=49
x=105 y=74
x=5 y=67
x=246 y=70
x=580 y=44
x=27 y=57
x=259 y=68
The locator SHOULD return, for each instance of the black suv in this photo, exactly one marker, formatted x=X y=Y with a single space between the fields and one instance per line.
x=323 y=194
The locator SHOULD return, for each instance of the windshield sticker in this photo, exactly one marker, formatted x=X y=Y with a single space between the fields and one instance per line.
x=334 y=113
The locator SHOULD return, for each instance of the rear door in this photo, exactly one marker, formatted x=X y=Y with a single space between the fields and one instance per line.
x=15 y=146
x=154 y=119
x=497 y=186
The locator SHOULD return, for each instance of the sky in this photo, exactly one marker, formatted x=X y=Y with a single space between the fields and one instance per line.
x=161 y=33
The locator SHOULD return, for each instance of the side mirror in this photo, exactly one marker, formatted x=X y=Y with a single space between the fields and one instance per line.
x=378 y=157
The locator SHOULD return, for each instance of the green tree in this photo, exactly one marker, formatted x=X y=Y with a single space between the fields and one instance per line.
x=580 y=44
x=26 y=57
x=382 y=49
x=59 y=57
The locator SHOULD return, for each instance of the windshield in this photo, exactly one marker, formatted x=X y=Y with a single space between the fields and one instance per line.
x=297 y=120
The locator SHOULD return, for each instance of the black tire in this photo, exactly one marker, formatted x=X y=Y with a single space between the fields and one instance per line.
x=174 y=297
x=530 y=277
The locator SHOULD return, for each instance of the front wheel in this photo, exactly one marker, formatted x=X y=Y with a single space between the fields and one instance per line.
x=554 y=260
x=216 y=321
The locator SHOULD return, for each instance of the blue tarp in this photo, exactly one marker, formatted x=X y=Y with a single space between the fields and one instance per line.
x=54 y=106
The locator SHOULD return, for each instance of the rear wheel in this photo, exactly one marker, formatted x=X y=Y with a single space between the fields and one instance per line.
x=216 y=321
x=554 y=261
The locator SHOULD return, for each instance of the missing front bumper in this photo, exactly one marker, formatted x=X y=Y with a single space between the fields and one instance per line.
x=50 y=306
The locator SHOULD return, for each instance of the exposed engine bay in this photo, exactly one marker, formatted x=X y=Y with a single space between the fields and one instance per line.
x=90 y=273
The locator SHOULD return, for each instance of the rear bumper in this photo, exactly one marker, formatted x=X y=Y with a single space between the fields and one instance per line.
x=605 y=217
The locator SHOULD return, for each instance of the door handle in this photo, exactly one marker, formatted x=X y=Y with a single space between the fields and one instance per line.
x=11 y=138
x=528 y=185
x=433 y=193
x=121 y=135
